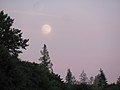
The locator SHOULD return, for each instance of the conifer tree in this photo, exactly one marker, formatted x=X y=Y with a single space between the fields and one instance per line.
x=91 y=80
x=102 y=79
x=45 y=59
x=69 y=77
x=10 y=37
x=118 y=81
x=83 y=78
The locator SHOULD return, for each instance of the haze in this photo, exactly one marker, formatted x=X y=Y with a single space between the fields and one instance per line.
x=85 y=33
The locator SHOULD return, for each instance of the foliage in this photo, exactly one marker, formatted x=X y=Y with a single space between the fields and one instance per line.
x=69 y=77
x=112 y=87
x=10 y=37
x=102 y=81
x=21 y=75
x=91 y=80
x=83 y=86
x=118 y=81
x=45 y=59
x=83 y=78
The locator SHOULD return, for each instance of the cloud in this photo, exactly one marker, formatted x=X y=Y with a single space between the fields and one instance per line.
x=32 y=13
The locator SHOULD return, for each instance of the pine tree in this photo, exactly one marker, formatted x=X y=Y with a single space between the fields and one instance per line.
x=11 y=38
x=83 y=78
x=45 y=59
x=96 y=80
x=69 y=77
x=118 y=81
x=100 y=79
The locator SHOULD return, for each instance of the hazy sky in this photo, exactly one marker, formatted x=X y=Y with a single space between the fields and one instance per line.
x=85 y=33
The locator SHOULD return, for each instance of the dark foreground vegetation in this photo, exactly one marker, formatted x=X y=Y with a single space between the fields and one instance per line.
x=22 y=75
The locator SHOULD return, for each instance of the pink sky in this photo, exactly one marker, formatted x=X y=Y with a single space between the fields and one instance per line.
x=85 y=33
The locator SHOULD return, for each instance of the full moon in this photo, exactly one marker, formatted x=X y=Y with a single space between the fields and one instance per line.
x=46 y=29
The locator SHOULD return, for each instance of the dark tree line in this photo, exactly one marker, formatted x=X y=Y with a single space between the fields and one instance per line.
x=22 y=75
x=97 y=83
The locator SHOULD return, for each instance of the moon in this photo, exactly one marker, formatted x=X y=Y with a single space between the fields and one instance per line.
x=46 y=29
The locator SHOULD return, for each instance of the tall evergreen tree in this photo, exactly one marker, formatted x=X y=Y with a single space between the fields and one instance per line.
x=100 y=79
x=69 y=77
x=10 y=37
x=96 y=80
x=83 y=78
x=45 y=59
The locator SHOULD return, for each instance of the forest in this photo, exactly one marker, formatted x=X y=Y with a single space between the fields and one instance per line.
x=16 y=74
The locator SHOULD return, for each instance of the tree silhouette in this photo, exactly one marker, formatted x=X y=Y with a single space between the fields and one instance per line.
x=83 y=78
x=118 y=81
x=96 y=80
x=102 y=79
x=45 y=59
x=69 y=77
x=11 y=38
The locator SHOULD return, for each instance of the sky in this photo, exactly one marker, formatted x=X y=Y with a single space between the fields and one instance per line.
x=85 y=34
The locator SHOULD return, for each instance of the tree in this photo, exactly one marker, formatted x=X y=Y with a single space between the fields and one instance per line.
x=83 y=78
x=100 y=79
x=91 y=80
x=69 y=77
x=10 y=37
x=45 y=59
x=96 y=80
x=118 y=81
